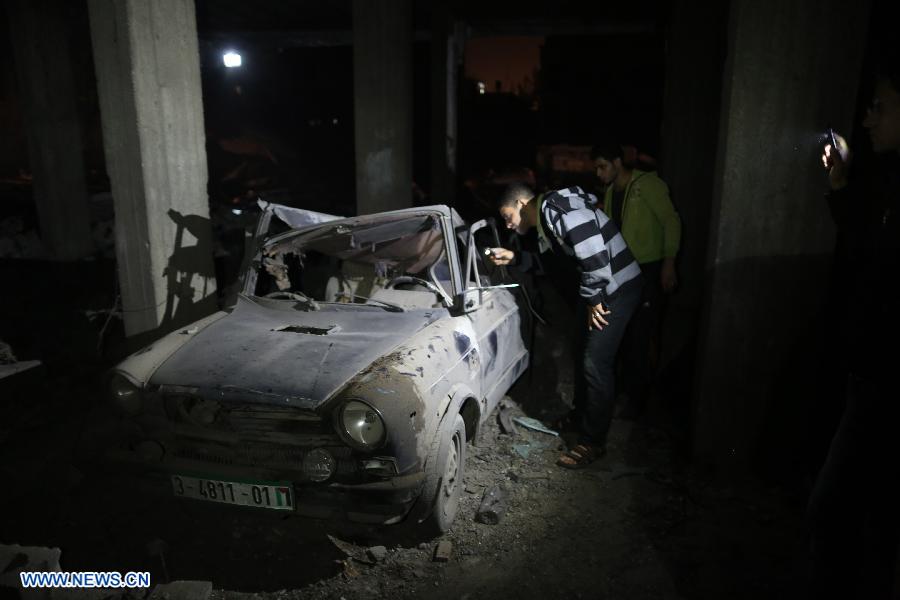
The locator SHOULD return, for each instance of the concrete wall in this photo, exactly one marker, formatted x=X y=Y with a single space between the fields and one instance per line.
x=13 y=139
x=446 y=57
x=382 y=80
x=148 y=78
x=41 y=49
x=689 y=137
x=791 y=68
x=694 y=59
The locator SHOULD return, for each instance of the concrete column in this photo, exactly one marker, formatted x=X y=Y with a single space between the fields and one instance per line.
x=446 y=53
x=40 y=37
x=687 y=156
x=791 y=68
x=148 y=79
x=382 y=80
x=689 y=130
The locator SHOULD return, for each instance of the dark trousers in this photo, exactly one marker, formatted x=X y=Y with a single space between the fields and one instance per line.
x=600 y=348
x=637 y=371
x=853 y=510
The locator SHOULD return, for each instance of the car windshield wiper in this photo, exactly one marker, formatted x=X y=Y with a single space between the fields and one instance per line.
x=295 y=296
x=385 y=305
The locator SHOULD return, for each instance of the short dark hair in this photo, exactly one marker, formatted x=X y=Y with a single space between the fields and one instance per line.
x=607 y=149
x=513 y=193
x=887 y=68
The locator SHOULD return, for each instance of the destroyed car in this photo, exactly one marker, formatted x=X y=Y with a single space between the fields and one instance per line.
x=360 y=357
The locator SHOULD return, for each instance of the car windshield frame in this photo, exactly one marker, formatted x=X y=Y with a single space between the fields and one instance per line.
x=414 y=240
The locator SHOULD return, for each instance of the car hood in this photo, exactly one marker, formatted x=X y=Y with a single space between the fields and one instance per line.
x=289 y=357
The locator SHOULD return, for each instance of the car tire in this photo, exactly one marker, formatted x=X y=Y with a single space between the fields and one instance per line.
x=444 y=470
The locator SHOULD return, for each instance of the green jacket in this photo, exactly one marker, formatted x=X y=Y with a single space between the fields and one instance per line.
x=650 y=225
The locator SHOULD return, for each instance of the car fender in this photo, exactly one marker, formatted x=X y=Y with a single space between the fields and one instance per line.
x=140 y=366
x=453 y=404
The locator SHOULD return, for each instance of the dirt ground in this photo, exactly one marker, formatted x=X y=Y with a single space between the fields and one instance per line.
x=637 y=524
x=641 y=523
x=627 y=527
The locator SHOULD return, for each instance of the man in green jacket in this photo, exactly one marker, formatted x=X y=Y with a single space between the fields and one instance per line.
x=638 y=201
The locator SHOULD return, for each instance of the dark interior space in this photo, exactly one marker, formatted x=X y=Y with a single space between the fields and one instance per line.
x=151 y=190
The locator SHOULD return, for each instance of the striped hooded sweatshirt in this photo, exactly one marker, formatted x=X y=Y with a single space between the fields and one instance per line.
x=569 y=222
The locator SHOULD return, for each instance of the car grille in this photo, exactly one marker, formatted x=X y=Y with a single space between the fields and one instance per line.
x=251 y=420
x=258 y=455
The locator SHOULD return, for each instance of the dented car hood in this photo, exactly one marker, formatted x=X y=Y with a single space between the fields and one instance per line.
x=289 y=357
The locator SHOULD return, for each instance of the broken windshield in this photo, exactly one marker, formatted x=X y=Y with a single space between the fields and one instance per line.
x=394 y=259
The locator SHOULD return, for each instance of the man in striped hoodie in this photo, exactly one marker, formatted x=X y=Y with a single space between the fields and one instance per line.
x=610 y=285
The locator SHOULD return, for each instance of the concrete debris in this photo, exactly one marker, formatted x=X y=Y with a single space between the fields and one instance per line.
x=346 y=548
x=377 y=553
x=492 y=507
x=6 y=354
x=443 y=551
x=506 y=422
x=516 y=476
x=350 y=571
x=9 y=369
x=15 y=559
x=9 y=365
x=182 y=590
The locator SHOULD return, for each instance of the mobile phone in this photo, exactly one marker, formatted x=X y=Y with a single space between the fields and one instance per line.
x=489 y=252
x=829 y=133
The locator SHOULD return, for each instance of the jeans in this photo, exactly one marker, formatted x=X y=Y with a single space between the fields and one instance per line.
x=853 y=509
x=600 y=350
x=637 y=372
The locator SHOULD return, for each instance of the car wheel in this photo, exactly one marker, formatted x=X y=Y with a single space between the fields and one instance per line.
x=444 y=475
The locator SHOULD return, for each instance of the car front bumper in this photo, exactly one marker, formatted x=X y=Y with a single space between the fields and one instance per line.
x=384 y=501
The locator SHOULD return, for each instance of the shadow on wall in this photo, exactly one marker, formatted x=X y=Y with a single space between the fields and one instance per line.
x=186 y=264
x=188 y=267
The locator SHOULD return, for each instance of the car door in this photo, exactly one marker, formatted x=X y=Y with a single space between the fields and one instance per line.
x=495 y=318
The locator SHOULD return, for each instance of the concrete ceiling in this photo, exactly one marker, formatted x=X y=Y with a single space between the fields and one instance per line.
x=316 y=22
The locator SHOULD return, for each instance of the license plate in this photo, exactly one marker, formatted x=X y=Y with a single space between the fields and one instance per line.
x=275 y=496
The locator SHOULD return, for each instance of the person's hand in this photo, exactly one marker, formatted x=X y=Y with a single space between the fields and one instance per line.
x=595 y=316
x=501 y=256
x=837 y=161
x=668 y=278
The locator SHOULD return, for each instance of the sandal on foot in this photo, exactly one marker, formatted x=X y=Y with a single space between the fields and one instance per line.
x=580 y=456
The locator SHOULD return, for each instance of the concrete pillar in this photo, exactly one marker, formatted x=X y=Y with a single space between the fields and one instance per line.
x=791 y=68
x=446 y=54
x=148 y=79
x=687 y=156
x=382 y=89
x=689 y=130
x=40 y=39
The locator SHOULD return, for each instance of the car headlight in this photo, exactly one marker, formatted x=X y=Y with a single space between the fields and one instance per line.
x=125 y=395
x=361 y=425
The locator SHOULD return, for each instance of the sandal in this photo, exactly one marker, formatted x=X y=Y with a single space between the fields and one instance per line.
x=580 y=456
